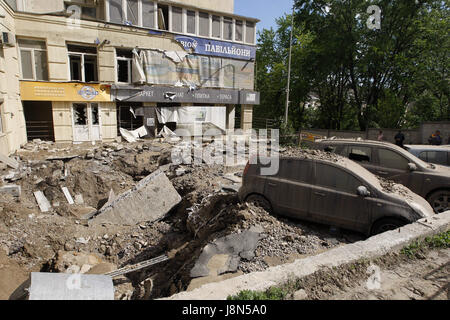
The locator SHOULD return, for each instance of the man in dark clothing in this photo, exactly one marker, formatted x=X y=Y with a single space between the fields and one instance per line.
x=435 y=139
x=399 y=138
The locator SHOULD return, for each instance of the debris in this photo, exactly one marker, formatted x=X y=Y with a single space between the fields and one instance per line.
x=67 y=195
x=138 y=266
x=63 y=158
x=8 y=161
x=151 y=199
x=79 y=199
x=60 y=286
x=12 y=189
x=133 y=136
x=42 y=201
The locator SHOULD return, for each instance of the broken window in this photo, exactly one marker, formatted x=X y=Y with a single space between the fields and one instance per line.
x=83 y=63
x=360 y=154
x=203 y=24
x=148 y=14
x=133 y=12
x=94 y=114
x=115 y=11
x=227 y=28
x=250 y=32
x=87 y=11
x=124 y=66
x=238 y=30
x=191 y=25
x=177 y=19
x=80 y=114
x=216 y=27
x=33 y=56
x=163 y=17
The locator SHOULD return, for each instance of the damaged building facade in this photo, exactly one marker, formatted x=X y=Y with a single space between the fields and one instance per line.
x=77 y=71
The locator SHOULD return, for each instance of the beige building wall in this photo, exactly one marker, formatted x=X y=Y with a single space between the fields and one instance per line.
x=216 y=5
x=14 y=132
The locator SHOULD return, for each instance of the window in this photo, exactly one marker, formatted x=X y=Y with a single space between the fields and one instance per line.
x=163 y=17
x=227 y=28
x=148 y=14
x=336 y=178
x=83 y=63
x=132 y=12
x=238 y=30
x=87 y=12
x=33 y=56
x=124 y=66
x=293 y=169
x=80 y=114
x=390 y=159
x=191 y=27
x=360 y=154
x=94 y=114
x=437 y=157
x=203 y=23
x=115 y=11
x=216 y=27
x=250 y=32
x=177 y=19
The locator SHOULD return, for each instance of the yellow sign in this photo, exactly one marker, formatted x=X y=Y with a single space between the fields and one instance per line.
x=64 y=91
x=310 y=136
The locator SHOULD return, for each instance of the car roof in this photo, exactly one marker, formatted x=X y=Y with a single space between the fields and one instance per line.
x=421 y=147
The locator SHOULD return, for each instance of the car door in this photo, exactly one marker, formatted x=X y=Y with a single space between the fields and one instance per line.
x=334 y=198
x=291 y=188
x=394 y=166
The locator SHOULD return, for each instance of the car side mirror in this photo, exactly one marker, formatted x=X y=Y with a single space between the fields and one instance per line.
x=362 y=191
x=412 y=166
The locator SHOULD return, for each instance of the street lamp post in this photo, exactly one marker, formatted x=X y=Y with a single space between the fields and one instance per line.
x=289 y=69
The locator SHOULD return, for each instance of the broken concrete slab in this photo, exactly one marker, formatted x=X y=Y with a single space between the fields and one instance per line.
x=150 y=200
x=61 y=286
x=235 y=246
x=42 y=201
x=79 y=199
x=63 y=158
x=8 y=161
x=12 y=189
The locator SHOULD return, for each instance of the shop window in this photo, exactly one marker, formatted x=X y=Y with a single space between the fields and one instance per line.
x=148 y=14
x=191 y=25
x=239 y=27
x=33 y=56
x=124 y=66
x=80 y=116
x=83 y=63
x=177 y=19
x=163 y=17
x=216 y=27
x=227 y=28
x=94 y=114
x=250 y=32
x=203 y=24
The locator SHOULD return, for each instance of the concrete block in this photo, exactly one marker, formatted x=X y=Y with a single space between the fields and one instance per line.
x=12 y=189
x=150 y=200
x=42 y=201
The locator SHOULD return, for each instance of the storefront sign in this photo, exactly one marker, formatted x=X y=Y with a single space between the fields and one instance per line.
x=217 y=48
x=63 y=91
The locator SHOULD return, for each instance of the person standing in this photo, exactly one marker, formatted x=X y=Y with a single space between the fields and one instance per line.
x=380 y=136
x=399 y=138
x=435 y=139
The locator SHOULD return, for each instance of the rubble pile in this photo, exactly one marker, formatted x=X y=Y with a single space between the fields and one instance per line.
x=79 y=180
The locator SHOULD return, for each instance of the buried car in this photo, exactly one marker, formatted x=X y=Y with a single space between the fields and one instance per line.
x=330 y=189
x=392 y=162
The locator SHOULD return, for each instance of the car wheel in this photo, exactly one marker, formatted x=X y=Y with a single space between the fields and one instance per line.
x=440 y=201
x=386 y=225
x=259 y=201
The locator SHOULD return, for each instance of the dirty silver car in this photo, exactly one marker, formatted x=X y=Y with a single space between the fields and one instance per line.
x=389 y=161
x=337 y=192
x=431 y=154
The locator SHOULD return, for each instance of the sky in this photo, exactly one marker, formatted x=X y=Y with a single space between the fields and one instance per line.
x=265 y=10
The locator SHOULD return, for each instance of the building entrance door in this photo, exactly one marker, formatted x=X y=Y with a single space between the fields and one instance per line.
x=86 y=122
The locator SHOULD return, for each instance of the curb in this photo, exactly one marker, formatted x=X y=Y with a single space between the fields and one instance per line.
x=371 y=248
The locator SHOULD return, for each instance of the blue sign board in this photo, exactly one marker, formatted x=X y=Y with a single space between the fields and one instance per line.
x=217 y=48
